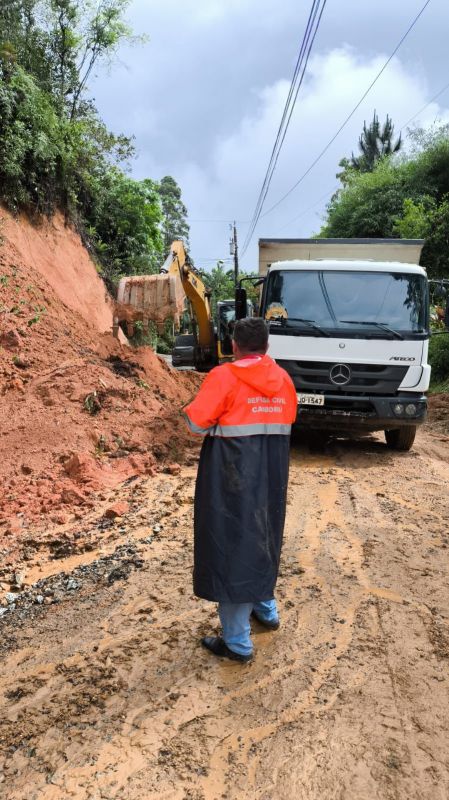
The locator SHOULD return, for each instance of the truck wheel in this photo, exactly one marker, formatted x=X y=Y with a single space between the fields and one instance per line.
x=401 y=438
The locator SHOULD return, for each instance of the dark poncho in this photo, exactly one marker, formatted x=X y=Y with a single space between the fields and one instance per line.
x=245 y=412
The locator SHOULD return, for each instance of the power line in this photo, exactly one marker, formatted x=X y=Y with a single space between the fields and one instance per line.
x=310 y=208
x=199 y=219
x=325 y=149
x=296 y=95
x=432 y=99
x=336 y=188
x=298 y=76
x=308 y=39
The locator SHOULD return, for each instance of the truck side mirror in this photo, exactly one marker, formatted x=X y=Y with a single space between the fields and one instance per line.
x=241 y=309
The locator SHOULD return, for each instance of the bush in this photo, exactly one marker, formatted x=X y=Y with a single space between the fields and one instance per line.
x=406 y=196
x=439 y=356
x=31 y=145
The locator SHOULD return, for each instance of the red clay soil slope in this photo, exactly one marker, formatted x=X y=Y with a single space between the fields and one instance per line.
x=79 y=412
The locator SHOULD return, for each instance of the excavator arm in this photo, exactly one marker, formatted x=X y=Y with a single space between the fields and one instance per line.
x=157 y=298
x=195 y=291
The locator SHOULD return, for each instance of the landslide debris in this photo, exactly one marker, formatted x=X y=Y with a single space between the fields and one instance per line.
x=79 y=411
x=439 y=412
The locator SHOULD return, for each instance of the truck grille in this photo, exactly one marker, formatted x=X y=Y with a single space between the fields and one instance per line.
x=364 y=379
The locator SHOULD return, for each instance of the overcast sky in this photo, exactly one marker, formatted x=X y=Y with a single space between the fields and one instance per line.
x=205 y=95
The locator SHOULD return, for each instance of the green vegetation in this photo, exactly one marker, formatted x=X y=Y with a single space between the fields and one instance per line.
x=403 y=196
x=175 y=224
x=221 y=284
x=375 y=143
x=439 y=358
x=55 y=151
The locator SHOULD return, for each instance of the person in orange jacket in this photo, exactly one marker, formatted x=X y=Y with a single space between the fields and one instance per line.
x=244 y=410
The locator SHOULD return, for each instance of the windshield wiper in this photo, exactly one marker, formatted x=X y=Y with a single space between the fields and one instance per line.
x=382 y=325
x=310 y=322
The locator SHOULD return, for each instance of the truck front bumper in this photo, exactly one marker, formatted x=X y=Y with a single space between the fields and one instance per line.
x=363 y=413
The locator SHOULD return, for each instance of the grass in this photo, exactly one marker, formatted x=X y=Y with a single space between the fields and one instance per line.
x=439 y=386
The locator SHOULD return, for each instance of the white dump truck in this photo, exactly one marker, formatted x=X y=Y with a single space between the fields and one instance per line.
x=349 y=322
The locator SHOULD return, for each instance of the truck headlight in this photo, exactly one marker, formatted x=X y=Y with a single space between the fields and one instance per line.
x=411 y=410
x=398 y=409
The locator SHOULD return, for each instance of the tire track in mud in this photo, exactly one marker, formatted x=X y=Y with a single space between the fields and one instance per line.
x=322 y=508
x=326 y=709
x=325 y=513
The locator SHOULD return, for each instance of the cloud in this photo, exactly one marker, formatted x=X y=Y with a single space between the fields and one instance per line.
x=204 y=98
x=228 y=185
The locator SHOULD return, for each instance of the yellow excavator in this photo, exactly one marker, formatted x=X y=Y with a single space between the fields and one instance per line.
x=157 y=298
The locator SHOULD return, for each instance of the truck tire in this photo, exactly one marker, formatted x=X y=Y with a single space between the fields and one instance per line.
x=401 y=438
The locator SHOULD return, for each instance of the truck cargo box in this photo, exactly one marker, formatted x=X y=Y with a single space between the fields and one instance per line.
x=407 y=251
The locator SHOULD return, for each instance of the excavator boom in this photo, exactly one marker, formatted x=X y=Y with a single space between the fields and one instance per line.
x=157 y=298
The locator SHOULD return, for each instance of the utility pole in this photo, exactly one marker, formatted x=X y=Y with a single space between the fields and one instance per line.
x=235 y=252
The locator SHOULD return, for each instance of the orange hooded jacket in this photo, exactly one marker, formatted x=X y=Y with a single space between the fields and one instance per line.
x=245 y=398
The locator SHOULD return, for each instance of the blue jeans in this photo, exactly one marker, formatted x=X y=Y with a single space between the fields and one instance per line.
x=234 y=618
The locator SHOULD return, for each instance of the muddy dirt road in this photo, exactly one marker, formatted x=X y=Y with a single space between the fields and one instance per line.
x=105 y=692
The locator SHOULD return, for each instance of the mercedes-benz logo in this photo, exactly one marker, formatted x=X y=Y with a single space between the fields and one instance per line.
x=340 y=374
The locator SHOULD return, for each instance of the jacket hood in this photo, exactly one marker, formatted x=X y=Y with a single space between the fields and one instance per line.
x=265 y=376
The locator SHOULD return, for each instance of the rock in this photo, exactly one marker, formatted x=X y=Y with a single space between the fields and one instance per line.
x=10 y=339
x=21 y=362
x=19 y=579
x=60 y=518
x=117 y=509
x=27 y=470
x=16 y=383
x=72 y=584
x=173 y=469
x=71 y=497
x=3 y=611
x=82 y=467
x=10 y=598
x=39 y=599
x=118 y=573
x=157 y=528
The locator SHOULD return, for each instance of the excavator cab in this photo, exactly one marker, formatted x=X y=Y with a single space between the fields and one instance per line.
x=225 y=328
x=226 y=317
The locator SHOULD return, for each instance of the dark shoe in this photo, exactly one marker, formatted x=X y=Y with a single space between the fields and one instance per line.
x=271 y=626
x=218 y=647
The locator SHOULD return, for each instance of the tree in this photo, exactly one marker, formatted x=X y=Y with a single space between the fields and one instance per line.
x=82 y=34
x=375 y=143
x=408 y=197
x=125 y=225
x=221 y=284
x=31 y=145
x=55 y=151
x=174 y=225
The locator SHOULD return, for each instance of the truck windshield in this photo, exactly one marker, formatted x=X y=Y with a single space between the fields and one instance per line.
x=336 y=300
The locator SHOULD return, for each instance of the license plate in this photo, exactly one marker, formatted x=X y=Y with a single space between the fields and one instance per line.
x=310 y=399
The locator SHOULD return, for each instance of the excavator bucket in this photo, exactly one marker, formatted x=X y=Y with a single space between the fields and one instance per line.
x=149 y=298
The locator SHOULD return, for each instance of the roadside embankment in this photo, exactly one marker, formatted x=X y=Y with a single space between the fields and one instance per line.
x=80 y=412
